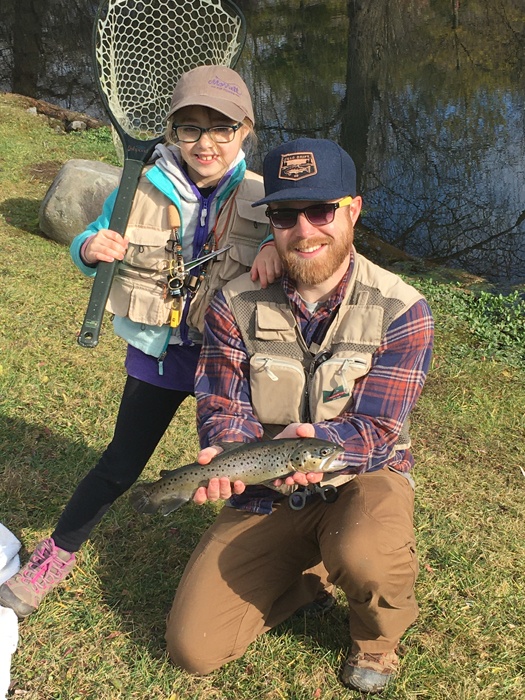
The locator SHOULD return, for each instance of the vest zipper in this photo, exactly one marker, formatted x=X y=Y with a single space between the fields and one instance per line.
x=135 y=272
x=322 y=356
x=267 y=363
x=347 y=362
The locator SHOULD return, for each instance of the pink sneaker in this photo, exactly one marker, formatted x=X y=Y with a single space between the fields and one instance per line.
x=46 y=568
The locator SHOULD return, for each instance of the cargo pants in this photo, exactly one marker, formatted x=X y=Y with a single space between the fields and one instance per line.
x=250 y=572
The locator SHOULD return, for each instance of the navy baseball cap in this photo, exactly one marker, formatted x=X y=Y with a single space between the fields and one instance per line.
x=307 y=169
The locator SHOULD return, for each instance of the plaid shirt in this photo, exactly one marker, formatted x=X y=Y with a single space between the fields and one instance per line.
x=382 y=399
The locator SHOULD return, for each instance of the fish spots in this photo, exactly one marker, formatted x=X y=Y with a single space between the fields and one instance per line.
x=252 y=463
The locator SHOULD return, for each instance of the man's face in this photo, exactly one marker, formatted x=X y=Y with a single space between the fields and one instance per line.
x=312 y=253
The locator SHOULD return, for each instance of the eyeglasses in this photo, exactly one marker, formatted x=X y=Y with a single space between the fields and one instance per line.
x=218 y=134
x=317 y=214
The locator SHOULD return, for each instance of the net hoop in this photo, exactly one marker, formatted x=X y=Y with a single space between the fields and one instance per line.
x=141 y=47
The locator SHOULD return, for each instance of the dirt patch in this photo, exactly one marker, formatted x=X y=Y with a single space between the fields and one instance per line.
x=44 y=172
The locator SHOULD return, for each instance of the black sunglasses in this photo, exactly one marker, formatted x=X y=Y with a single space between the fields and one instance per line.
x=317 y=214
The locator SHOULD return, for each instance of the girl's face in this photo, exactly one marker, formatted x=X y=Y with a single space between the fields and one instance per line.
x=206 y=160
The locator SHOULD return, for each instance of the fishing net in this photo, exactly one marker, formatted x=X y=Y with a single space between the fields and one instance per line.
x=143 y=46
x=140 y=48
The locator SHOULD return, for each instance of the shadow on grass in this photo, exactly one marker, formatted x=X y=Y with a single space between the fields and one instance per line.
x=38 y=472
x=141 y=561
x=329 y=631
x=139 y=558
x=22 y=213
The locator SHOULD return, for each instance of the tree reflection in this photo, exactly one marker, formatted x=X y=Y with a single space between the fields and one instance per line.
x=444 y=167
x=46 y=51
x=427 y=95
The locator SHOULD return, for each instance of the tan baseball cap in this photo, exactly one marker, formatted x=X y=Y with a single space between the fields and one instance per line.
x=218 y=87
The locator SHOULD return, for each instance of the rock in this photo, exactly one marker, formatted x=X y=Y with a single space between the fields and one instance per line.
x=75 y=198
x=76 y=125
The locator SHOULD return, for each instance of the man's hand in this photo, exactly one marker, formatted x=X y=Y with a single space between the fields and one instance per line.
x=217 y=488
x=304 y=430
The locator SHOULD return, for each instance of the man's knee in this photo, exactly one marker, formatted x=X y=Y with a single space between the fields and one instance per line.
x=186 y=653
x=361 y=566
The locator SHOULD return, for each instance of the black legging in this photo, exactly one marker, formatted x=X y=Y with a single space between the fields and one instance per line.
x=144 y=415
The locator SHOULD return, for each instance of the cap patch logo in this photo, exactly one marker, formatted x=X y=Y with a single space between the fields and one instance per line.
x=297 y=166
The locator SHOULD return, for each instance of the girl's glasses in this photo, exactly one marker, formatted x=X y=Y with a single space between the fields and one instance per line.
x=218 y=134
x=317 y=214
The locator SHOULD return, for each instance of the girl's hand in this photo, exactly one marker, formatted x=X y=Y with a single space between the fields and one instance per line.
x=267 y=265
x=104 y=246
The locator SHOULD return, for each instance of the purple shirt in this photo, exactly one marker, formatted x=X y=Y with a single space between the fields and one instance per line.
x=180 y=365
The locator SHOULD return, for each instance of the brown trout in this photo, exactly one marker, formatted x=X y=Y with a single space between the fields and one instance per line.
x=252 y=463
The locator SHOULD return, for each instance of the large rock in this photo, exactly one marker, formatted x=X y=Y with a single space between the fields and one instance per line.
x=75 y=198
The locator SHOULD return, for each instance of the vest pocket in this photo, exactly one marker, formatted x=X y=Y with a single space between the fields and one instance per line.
x=278 y=389
x=245 y=228
x=146 y=250
x=333 y=383
x=139 y=300
x=240 y=258
x=222 y=269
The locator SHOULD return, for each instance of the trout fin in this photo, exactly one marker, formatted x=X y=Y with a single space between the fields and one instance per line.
x=270 y=485
x=167 y=472
x=174 y=504
x=140 y=500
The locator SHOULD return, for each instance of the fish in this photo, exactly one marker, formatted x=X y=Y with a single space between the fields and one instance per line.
x=251 y=463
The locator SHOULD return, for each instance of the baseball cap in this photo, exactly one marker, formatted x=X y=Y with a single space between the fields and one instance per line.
x=308 y=169
x=217 y=87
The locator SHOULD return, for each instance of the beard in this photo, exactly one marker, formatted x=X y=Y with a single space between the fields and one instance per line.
x=313 y=271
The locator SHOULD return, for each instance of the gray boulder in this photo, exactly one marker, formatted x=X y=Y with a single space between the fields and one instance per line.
x=75 y=198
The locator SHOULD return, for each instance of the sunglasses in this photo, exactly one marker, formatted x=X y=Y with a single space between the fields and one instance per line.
x=317 y=214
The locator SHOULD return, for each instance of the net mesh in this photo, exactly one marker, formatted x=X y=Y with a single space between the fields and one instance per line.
x=143 y=46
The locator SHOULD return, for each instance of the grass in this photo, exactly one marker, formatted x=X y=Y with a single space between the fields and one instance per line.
x=101 y=634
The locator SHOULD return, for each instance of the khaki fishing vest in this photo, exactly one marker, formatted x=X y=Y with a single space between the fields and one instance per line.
x=291 y=382
x=138 y=291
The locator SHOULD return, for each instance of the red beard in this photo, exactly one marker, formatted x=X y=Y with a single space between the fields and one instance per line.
x=315 y=271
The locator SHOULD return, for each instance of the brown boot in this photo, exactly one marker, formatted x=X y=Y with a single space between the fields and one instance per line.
x=370 y=673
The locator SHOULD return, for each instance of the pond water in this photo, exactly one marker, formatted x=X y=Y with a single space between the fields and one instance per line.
x=426 y=95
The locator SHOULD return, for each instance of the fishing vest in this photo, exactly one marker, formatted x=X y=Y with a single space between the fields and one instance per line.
x=139 y=290
x=291 y=382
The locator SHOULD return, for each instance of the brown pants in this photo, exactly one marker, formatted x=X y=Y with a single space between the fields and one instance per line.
x=250 y=572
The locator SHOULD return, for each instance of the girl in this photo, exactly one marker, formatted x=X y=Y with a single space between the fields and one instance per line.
x=195 y=199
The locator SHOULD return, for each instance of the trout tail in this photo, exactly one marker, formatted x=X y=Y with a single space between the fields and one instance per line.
x=140 y=499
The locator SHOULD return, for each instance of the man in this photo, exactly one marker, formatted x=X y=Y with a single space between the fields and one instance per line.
x=337 y=349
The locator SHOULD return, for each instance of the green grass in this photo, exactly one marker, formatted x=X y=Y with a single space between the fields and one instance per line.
x=100 y=636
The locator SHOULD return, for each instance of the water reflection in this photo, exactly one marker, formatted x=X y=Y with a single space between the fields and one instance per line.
x=427 y=95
